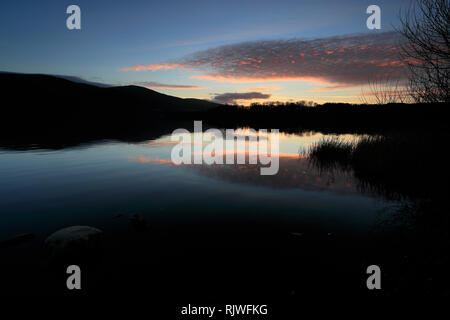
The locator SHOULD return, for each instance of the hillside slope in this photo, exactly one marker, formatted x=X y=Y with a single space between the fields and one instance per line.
x=45 y=105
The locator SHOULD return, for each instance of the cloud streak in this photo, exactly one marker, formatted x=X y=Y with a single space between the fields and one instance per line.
x=153 y=67
x=157 y=85
x=336 y=61
x=230 y=97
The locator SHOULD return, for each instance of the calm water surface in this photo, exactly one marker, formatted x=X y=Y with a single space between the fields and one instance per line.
x=42 y=191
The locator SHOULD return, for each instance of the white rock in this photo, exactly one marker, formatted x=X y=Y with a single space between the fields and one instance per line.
x=73 y=240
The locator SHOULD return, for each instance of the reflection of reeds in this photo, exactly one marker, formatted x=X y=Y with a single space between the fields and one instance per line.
x=395 y=165
x=413 y=169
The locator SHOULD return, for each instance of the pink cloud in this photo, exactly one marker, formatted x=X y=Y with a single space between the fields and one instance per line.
x=336 y=61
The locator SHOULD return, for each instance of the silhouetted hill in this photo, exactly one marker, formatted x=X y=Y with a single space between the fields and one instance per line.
x=43 y=105
x=52 y=88
x=45 y=97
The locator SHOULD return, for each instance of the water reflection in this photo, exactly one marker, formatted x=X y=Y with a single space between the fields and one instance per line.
x=295 y=169
x=301 y=209
x=295 y=172
x=91 y=185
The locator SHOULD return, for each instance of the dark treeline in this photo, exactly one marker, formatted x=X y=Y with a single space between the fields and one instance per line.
x=332 y=117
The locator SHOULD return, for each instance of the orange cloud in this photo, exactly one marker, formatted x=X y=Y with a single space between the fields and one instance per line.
x=329 y=89
x=263 y=89
x=220 y=78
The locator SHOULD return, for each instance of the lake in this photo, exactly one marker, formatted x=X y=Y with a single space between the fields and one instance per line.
x=44 y=190
x=154 y=213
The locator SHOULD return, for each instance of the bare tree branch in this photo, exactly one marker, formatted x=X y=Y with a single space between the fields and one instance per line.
x=426 y=26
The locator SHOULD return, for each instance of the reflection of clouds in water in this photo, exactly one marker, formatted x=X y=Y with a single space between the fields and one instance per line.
x=155 y=160
x=157 y=143
x=295 y=172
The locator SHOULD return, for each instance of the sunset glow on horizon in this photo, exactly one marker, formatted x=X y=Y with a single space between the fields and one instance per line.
x=290 y=51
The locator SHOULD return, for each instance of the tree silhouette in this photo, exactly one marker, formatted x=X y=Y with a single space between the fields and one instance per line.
x=426 y=26
x=384 y=90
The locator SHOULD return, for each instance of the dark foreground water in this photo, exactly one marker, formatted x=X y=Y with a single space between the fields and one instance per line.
x=194 y=230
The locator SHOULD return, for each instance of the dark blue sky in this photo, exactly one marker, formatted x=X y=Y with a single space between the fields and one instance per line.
x=119 y=34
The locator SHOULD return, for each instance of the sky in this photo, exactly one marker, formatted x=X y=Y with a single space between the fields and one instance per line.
x=228 y=51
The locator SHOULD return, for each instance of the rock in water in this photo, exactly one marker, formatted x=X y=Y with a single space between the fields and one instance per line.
x=73 y=242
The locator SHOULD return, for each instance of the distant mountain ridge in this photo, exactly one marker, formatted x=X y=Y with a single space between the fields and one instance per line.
x=51 y=87
x=70 y=78
x=36 y=106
